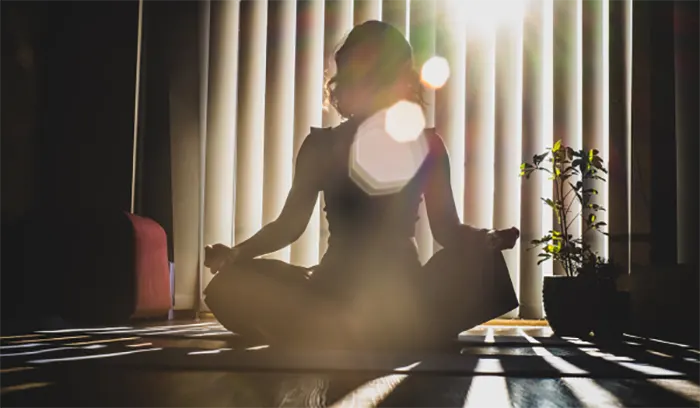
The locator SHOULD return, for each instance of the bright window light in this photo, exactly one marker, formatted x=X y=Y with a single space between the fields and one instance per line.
x=483 y=16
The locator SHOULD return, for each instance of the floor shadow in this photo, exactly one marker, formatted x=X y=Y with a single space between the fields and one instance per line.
x=428 y=391
x=432 y=389
x=666 y=356
x=540 y=392
x=643 y=392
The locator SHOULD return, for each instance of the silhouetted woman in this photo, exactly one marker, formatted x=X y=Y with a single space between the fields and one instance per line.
x=370 y=288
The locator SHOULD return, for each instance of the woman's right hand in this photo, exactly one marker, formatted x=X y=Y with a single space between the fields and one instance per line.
x=215 y=256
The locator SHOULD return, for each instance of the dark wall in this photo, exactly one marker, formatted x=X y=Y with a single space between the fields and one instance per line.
x=687 y=84
x=68 y=104
x=665 y=43
x=88 y=133
x=68 y=75
x=23 y=27
x=663 y=134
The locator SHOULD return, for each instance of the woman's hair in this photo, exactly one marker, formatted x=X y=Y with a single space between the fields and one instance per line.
x=377 y=56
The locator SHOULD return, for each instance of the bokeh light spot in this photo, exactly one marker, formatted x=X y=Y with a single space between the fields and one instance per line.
x=383 y=163
x=435 y=72
x=405 y=121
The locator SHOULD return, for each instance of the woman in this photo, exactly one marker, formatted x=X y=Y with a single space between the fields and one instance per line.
x=370 y=288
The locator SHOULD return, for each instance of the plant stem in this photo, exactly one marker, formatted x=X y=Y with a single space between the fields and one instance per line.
x=571 y=203
x=563 y=221
x=574 y=219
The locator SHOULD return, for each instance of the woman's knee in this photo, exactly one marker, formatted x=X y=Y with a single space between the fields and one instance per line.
x=466 y=258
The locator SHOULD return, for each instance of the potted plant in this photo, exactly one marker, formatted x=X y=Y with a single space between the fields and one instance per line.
x=580 y=301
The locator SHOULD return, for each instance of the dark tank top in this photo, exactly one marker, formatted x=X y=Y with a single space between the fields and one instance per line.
x=370 y=234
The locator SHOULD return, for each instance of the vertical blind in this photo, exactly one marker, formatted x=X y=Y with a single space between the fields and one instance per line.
x=523 y=73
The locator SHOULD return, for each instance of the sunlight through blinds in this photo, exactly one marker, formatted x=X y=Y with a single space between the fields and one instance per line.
x=251 y=120
x=279 y=111
x=308 y=97
x=522 y=75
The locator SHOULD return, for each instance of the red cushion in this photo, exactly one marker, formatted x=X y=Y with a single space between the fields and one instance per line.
x=153 y=296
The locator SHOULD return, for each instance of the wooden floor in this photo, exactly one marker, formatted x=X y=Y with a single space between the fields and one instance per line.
x=201 y=364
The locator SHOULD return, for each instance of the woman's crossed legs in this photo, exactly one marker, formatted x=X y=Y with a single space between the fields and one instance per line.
x=457 y=290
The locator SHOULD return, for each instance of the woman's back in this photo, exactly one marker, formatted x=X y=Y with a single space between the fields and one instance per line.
x=370 y=227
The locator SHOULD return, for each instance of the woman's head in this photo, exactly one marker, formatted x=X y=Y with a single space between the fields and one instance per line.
x=374 y=69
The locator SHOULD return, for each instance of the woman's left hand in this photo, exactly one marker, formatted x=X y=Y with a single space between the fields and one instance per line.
x=503 y=239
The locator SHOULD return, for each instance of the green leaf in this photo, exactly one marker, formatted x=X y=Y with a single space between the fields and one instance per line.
x=538 y=158
x=579 y=153
x=541 y=240
x=554 y=248
x=596 y=207
x=557 y=146
x=597 y=162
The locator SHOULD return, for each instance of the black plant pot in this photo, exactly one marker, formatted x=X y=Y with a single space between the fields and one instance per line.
x=610 y=311
x=568 y=305
x=578 y=306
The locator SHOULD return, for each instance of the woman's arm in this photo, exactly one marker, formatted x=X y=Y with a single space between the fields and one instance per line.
x=298 y=207
x=445 y=225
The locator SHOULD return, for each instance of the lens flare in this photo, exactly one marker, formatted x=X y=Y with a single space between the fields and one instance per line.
x=405 y=121
x=435 y=72
x=388 y=149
